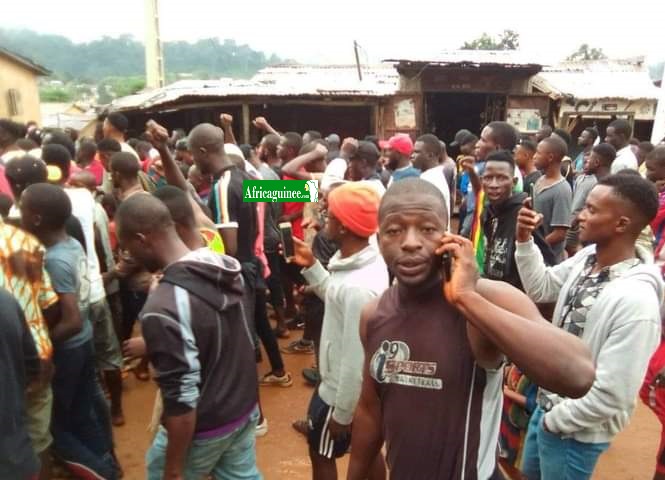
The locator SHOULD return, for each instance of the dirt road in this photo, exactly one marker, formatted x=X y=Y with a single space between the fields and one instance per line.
x=282 y=454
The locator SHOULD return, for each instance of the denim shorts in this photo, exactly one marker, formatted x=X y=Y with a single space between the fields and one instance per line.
x=229 y=457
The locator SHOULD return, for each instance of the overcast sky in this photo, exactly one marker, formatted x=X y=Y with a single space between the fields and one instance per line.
x=322 y=32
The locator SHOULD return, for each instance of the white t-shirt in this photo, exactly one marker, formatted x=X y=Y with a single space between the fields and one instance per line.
x=625 y=159
x=436 y=177
x=83 y=208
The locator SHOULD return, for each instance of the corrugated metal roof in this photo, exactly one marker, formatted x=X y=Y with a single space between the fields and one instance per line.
x=280 y=81
x=476 y=58
x=598 y=80
x=25 y=62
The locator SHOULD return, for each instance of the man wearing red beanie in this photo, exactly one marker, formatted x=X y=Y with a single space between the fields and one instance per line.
x=399 y=149
x=356 y=275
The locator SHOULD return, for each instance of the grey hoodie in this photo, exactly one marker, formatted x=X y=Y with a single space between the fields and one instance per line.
x=622 y=330
x=351 y=284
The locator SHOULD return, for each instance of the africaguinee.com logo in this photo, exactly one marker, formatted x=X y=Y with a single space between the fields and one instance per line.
x=280 y=191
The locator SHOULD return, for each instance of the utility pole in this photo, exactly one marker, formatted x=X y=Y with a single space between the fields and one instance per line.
x=355 y=49
x=154 y=59
x=658 y=131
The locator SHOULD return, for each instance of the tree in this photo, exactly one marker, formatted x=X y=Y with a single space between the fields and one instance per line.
x=508 y=40
x=586 y=53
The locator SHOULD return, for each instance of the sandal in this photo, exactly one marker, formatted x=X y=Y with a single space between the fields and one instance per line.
x=301 y=426
x=272 y=380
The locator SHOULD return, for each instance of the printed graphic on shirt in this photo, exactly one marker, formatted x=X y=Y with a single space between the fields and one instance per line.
x=498 y=256
x=391 y=364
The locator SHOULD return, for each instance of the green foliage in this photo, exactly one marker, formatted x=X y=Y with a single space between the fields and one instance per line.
x=48 y=93
x=585 y=53
x=124 y=56
x=508 y=40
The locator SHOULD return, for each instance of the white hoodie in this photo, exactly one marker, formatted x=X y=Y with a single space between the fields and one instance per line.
x=622 y=330
x=351 y=284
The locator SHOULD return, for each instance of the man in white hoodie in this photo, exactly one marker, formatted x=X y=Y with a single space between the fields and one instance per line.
x=608 y=297
x=356 y=275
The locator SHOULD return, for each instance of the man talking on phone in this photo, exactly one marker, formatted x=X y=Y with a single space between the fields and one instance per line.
x=434 y=348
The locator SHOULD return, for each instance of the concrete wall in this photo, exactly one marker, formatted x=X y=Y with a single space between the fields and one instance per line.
x=15 y=76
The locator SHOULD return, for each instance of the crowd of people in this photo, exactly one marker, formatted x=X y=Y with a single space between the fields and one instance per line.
x=510 y=343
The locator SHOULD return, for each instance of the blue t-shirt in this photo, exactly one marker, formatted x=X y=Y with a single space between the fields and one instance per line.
x=67 y=266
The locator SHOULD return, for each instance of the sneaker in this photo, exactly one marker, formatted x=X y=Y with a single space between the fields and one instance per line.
x=300 y=347
x=271 y=380
x=311 y=376
x=262 y=428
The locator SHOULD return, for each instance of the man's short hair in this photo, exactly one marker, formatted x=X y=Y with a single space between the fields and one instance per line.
x=657 y=155
x=504 y=134
x=14 y=129
x=313 y=134
x=59 y=137
x=563 y=135
x=503 y=156
x=592 y=132
x=24 y=171
x=109 y=145
x=246 y=150
x=26 y=144
x=622 y=127
x=646 y=147
x=177 y=201
x=529 y=145
x=606 y=152
x=293 y=140
x=432 y=143
x=118 y=121
x=271 y=142
x=57 y=155
x=374 y=139
x=182 y=145
x=557 y=146
x=368 y=152
x=142 y=214
x=87 y=149
x=639 y=192
x=412 y=186
x=125 y=164
x=49 y=201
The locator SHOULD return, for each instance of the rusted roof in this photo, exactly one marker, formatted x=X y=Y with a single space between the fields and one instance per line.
x=24 y=62
x=604 y=79
x=276 y=81
x=474 y=58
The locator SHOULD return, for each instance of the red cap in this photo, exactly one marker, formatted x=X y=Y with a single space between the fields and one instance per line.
x=400 y=142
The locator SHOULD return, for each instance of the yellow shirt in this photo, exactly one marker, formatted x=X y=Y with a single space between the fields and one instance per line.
x=213 y=240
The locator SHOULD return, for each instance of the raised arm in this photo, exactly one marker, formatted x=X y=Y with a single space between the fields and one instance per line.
x=366 y=437
x=262 y=124
x=294 y=167
x=159 y=138
x=506 y=322
x=227 y=125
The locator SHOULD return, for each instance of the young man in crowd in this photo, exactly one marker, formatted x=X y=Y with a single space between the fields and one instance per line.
x=106 y=148
x=426 y=157
x=434 y=346
x=597 y=166
x=182 y=152
x=80 y=425
x=618 y=135
x=609 y=298
x=552 y=195
x=124 y=171
x=115 y=128
x=356 y=274
x=586 y=140
x=268 y=154
x=21 y=367
x=567 y=165
x=198 y=341
x=524 y=154
x=499 y=220
x=10 y=133
x=107 y=348
x=643 y=149
x=655 y=173
x=398 y=150
x=86 y=159
x=495 y=136
x=363 y=164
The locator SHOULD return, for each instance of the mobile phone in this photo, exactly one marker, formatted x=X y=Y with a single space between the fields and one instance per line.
x=446 y=264
x=286 y=233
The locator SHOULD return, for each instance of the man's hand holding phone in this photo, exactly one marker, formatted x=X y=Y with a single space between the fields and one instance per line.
x=463 y=269
x=527 y=221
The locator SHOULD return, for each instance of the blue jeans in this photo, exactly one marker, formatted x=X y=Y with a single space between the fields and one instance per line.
x=230 y=457
x=81 y=428
x=547 y=456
